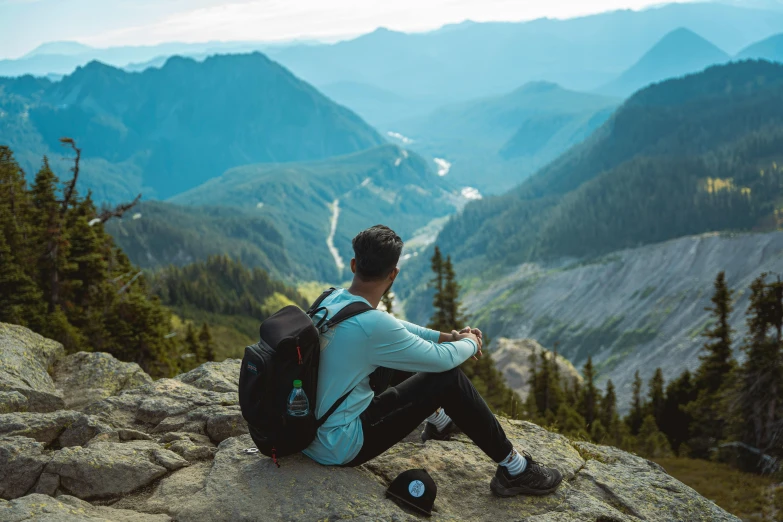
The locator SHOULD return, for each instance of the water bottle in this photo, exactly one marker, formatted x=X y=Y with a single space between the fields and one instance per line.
x=298 y=405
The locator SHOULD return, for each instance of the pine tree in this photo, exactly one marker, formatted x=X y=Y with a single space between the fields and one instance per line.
x=608 y=410
x=717 y=361
x=759 y=408
x=656 y=397
x=677 y=422
x=588 y=403
x=708 y=418
x=207 y=345
x=636 y=415
x=439 y=320
x=452 y=305
x=20 y=299
x=650 y=442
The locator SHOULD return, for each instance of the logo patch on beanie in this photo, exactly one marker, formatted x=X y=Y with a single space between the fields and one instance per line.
x=416 y=488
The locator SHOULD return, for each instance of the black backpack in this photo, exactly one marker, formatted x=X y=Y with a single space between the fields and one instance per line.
x=289 y=349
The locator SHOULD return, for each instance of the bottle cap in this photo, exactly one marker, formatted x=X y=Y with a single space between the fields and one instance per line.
x=297 y=383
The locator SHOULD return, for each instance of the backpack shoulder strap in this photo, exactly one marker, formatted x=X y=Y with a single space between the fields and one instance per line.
x=348 y=311
x=317 y=303
x=338 y=402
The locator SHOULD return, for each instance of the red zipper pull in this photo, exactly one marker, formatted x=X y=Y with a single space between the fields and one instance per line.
x=274 y=457
x=299 y=352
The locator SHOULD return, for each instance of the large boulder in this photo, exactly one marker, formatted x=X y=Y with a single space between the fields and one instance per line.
x=62 y=428
x=65 y=508
x=148 y=450
x=109 y=469
x=84 y=378
x=601 y=484
x=21 y=462
x=25 y=361
x=512 y=359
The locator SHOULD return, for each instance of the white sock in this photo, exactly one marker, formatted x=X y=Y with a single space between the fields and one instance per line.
x=439 y=419
x=514 y=463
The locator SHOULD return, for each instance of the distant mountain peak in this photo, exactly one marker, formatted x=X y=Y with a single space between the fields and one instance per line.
x=678 y=53
x=67 y=48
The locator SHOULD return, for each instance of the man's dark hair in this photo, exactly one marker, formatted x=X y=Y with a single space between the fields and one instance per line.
x=377 y=251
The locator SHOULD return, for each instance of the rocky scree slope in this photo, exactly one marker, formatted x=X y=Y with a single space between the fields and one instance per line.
x=636 y=309
x=136 y=449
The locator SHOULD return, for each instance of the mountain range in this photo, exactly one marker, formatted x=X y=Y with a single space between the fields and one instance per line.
x=694 y=155
x=294 y=219
x=167 y=130
x=660 y=146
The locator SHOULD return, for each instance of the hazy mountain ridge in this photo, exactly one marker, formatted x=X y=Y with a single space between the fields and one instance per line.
x=186 y=122
x=494 y=142
x=678 y=53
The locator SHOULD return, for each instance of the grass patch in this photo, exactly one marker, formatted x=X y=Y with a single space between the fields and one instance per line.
x=748 y=496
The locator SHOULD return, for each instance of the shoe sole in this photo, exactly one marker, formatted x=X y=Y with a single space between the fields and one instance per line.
x=502 y=491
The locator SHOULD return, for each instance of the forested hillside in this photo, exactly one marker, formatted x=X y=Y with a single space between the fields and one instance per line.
x=682 y=157
x=163 y=131
x=319 y=206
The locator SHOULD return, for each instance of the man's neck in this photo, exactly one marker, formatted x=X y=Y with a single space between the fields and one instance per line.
x=372 y=292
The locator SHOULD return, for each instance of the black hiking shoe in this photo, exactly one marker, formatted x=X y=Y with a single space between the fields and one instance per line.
x=535 y=480
x=431 y=432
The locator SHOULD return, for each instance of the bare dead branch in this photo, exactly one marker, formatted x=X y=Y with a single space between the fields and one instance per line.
x=117 y=211
x=75 y=169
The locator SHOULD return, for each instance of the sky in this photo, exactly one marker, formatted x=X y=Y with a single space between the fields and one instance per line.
x=25 y=24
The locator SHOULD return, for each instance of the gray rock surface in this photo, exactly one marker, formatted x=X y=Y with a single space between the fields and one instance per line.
x=149 y=452
x=24 y=367
x=107 y=469
x=21 y=462
x=12 y=402
x=635 y=309
x=64 y=508
x=66 y=428
x=84 y=378
x=512 y=358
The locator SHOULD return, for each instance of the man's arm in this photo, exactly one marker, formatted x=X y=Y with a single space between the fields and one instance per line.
x=394 y=346
x=434 y=335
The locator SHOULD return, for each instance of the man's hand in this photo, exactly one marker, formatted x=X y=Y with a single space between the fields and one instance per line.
x=470 y=333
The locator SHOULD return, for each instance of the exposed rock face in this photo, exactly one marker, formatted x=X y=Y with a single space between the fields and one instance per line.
x=636 y=309
x=512 y=358
x=84 y=378
x=149 y=453
x=24 y=367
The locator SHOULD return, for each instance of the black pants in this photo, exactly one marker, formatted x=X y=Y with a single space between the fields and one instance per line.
x=395 y=413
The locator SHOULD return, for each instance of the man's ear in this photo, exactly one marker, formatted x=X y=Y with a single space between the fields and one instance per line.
x=353 y=265
x=394 y=273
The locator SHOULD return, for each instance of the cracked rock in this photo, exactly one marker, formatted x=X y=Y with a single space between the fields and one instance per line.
x=21 y=461
x=12 y=402
x=107 y=469
x=84 y=378
x=68 y=509
x=24 y=366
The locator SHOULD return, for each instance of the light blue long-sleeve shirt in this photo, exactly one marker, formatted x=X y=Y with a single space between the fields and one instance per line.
x=350 y=352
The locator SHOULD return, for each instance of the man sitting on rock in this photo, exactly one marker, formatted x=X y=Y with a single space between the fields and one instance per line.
x=365 y=425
